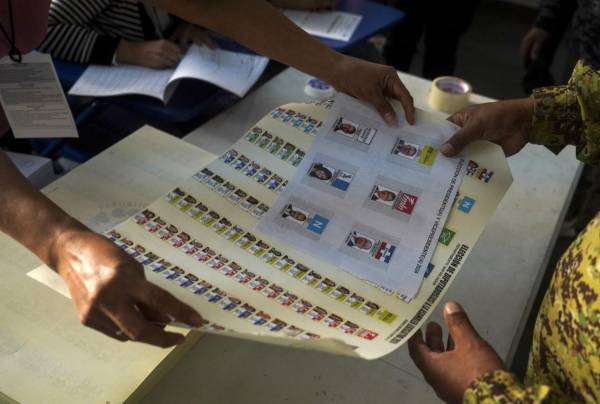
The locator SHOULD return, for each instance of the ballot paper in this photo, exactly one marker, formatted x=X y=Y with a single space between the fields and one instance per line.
x=336 y=25
x=198 y=242
x=370 y=198
x=232 y=71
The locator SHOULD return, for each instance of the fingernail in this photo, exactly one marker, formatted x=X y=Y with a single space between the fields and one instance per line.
x=196 y=320
x=452 y=307
x=389 y=118
x=447 y=149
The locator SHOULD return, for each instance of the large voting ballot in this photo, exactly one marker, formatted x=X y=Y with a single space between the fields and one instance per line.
x=363 y=321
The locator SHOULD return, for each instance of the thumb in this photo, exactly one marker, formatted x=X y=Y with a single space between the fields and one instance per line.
x=461 y=138
x=459 y=326
x=525 y=50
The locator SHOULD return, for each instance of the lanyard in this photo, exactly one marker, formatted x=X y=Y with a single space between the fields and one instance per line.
x=14 y=53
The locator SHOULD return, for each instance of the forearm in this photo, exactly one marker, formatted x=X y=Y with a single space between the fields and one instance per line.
x=555 y=15
x=28 y=216
x=261 y=27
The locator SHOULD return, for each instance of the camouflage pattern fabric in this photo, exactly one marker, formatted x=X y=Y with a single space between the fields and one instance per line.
x=564 y=363
x=570 y=114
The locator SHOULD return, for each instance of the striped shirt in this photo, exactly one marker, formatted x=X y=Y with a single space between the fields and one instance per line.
x=89 y=31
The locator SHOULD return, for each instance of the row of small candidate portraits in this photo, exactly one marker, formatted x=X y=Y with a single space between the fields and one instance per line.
x=252 y=169
x=231 y=269
x=274 y=145
x=259 y=249
x=298 y=120
x=421 y=154
x=218 y=297
x=225 y=189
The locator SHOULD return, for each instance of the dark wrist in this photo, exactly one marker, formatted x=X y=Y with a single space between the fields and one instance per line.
x=65 y=234
x=526 y=109
x=123 y=51
x=338 y=68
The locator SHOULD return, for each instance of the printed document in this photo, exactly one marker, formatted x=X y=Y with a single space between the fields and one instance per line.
x=33 y=100
x=233 y=71
x=336 y=25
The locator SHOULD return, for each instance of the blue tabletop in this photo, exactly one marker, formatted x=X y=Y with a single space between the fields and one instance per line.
x=376 y=18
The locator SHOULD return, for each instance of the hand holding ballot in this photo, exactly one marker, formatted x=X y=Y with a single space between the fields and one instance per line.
x=111 y=294
x=273 y=35
x=506 y=123
x=374 y=83
x=452 y=368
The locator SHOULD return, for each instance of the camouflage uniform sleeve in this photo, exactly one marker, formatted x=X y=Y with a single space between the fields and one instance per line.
x=570 y=114
x=503 y=387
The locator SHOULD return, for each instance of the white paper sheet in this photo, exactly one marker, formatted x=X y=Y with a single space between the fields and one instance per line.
x=232 y=71
x=33 y=100
x=370 y=198
x=104 y=81
x=337 y=25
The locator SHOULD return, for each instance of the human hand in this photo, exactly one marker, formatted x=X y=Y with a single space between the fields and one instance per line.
x=111 y=294
x=506 y=123
x=450 y=370
x=532 y=44
x=312 y=5
x=186 y=34
x=158 y=54
x=372 y=82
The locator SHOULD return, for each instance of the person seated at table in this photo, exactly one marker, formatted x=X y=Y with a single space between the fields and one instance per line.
x=118 y=31
x=564 y=362
x=108 y=287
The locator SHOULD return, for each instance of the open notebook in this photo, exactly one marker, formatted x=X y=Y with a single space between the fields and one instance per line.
x=199 y=242
x=233 y=71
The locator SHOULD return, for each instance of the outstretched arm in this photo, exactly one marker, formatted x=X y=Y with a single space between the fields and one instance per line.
x=107 y=286
x=261 y=27
x=554 y=117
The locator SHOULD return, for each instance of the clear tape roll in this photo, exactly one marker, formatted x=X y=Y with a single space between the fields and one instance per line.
x=449 y=94
x=318 y=89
